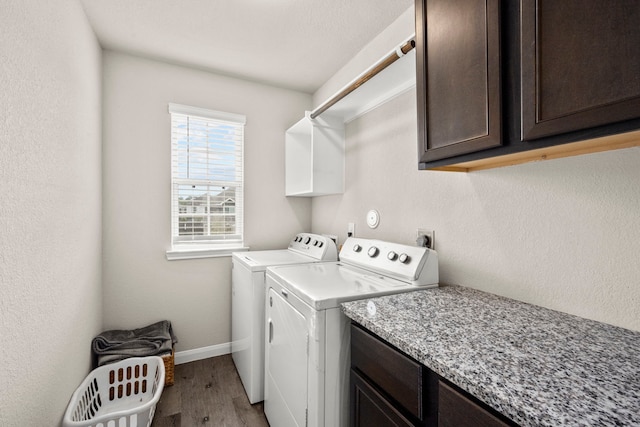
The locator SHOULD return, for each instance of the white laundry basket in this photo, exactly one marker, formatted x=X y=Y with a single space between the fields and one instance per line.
x=121 y=394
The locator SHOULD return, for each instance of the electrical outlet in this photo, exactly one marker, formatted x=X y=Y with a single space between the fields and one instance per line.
x=351 y=229
x=430 y=234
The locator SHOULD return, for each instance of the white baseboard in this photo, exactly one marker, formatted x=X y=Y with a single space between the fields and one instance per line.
x=202 y=353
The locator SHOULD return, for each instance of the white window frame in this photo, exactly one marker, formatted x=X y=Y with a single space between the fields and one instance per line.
x=199 y=246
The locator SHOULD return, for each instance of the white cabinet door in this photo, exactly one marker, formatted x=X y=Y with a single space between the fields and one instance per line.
x=286 y=363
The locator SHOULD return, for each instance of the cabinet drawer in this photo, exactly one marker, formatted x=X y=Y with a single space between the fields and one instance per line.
x=398 y=375
x=457 y=410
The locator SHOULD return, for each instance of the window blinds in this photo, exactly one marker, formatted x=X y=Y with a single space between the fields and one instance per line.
x=206 y=176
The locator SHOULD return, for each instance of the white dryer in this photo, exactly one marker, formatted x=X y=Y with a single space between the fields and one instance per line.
x=307 y=352
x=247 y=302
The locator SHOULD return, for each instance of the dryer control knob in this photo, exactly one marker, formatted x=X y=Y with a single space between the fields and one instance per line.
x=307 y=240
x=373 y=252
x=404 y=258
x=357 y=248
x=392 y=256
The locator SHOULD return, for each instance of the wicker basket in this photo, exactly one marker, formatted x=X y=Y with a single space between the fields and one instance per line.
x=123 y=393
x=169 y=364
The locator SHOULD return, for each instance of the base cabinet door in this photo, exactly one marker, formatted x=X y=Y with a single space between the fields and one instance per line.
x=388 y=388
x=370 y=409
x=580 y=64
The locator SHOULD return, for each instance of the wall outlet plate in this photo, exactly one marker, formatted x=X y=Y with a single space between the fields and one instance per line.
x=430 y=234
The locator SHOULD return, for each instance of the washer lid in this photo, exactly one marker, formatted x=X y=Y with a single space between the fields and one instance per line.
x=260 y=260
x=328 y=284
x=304 y=247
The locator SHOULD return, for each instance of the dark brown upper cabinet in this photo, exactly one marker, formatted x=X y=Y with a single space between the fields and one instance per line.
x=580 y=64
x=503 y=82
x=458 y=77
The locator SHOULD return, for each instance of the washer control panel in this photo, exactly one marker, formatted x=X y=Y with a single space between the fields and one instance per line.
x=316 y=246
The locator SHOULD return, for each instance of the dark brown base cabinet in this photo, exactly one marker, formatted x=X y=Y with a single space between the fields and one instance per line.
x=457 y=409
x=529 y=79
x=390 y=389
x=371 y=408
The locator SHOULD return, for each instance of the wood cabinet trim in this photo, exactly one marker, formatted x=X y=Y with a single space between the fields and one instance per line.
x=596 y=145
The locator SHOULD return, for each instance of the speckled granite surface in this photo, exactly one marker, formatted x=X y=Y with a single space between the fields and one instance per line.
x=537 y=366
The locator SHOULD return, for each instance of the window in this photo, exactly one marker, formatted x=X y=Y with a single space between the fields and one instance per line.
x=206 y=181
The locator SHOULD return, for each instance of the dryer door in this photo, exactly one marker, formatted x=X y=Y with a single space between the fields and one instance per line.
x=285 y=402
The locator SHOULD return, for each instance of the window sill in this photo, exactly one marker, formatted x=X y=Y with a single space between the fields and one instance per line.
x=195 y=253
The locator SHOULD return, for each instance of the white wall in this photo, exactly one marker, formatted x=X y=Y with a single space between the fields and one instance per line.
x=140 y=285
x=50 y=207
x=564 y=234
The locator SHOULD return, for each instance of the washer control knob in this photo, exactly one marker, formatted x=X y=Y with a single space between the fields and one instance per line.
x=307 y=240
x=404 y=258
x=392 y=256
x=373 y=252
x=357 y=248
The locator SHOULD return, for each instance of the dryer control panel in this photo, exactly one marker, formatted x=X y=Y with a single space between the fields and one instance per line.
x=412 y=264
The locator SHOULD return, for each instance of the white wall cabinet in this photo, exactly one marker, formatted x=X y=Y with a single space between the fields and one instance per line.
x=314 y=158
x=315 y=147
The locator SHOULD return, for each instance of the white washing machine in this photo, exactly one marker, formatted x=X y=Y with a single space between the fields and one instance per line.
x=307 y=352
x=247 y=302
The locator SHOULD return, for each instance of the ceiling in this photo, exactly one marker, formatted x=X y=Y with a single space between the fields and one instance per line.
x=296 y=44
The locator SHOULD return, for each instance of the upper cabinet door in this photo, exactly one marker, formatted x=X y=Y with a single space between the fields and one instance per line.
x=580 y=64
x=458 y=77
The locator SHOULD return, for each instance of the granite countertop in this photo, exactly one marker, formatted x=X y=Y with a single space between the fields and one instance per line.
x=537 y=366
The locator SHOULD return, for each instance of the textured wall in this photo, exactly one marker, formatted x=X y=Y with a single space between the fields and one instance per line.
x=50 y=207
x=140 y=285
x=563 y=234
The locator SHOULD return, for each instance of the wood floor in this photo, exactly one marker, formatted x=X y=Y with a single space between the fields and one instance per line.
x=207 y=393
